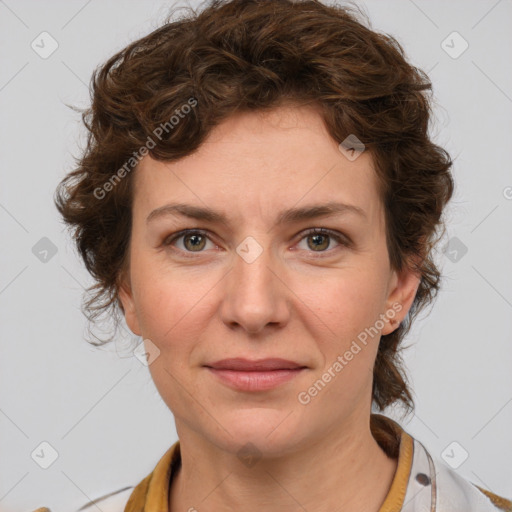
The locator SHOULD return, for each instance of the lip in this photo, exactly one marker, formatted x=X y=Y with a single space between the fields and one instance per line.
x=255 y=375
x=248 y=365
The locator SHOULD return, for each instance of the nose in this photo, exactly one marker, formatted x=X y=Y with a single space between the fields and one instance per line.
x=255 y=296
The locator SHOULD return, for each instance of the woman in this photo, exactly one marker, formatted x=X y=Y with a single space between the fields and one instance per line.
x=260 y=199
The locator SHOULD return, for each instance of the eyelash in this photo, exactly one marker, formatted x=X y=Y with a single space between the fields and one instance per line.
x=338 y=237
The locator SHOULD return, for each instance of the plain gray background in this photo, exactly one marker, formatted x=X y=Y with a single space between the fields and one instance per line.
x=98 y=408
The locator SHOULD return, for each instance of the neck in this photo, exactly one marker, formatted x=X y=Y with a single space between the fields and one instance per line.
x=341 y=471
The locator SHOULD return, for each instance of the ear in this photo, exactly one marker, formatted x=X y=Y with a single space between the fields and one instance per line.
x=126 y=297
x=402 y=290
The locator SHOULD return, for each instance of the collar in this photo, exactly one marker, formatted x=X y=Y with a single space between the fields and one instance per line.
x=152 y=493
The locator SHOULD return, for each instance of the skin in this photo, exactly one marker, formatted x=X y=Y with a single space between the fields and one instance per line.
x=296 y=301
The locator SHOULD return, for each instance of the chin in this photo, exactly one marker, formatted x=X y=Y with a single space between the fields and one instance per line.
x=271 y=431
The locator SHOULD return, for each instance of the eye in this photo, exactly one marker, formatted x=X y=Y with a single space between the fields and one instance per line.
x=191 y=240
x=319 y=239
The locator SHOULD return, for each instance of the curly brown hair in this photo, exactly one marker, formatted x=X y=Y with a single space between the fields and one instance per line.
x=248 y=55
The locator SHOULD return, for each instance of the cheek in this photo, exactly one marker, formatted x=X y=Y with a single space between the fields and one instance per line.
x=169 y=303
x=347 y=338
x=342 y=313
x=343 y=304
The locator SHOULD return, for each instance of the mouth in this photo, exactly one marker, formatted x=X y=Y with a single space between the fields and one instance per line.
x=260 y=365
x=255 y=375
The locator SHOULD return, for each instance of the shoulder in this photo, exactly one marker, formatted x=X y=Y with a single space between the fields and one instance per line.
x=452 y=488
x=450 y=491
x=131 y=497
x=499 y=501
x=114 y=501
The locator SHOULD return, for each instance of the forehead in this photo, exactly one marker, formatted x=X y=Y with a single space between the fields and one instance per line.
x=256 y=163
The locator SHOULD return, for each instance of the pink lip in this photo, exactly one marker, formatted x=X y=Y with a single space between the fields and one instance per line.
x=245 y=375
x=241 y=364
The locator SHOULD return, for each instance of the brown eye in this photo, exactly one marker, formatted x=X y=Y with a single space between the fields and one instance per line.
x=188 y=241
x=320 y=242
x=194 y=242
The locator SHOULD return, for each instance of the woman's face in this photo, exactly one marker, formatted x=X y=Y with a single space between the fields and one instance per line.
x=254 y=284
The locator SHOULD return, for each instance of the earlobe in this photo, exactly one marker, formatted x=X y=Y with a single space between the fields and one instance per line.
x=130 y=313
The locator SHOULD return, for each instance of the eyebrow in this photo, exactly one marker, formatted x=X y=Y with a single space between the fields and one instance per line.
x=290 y=216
